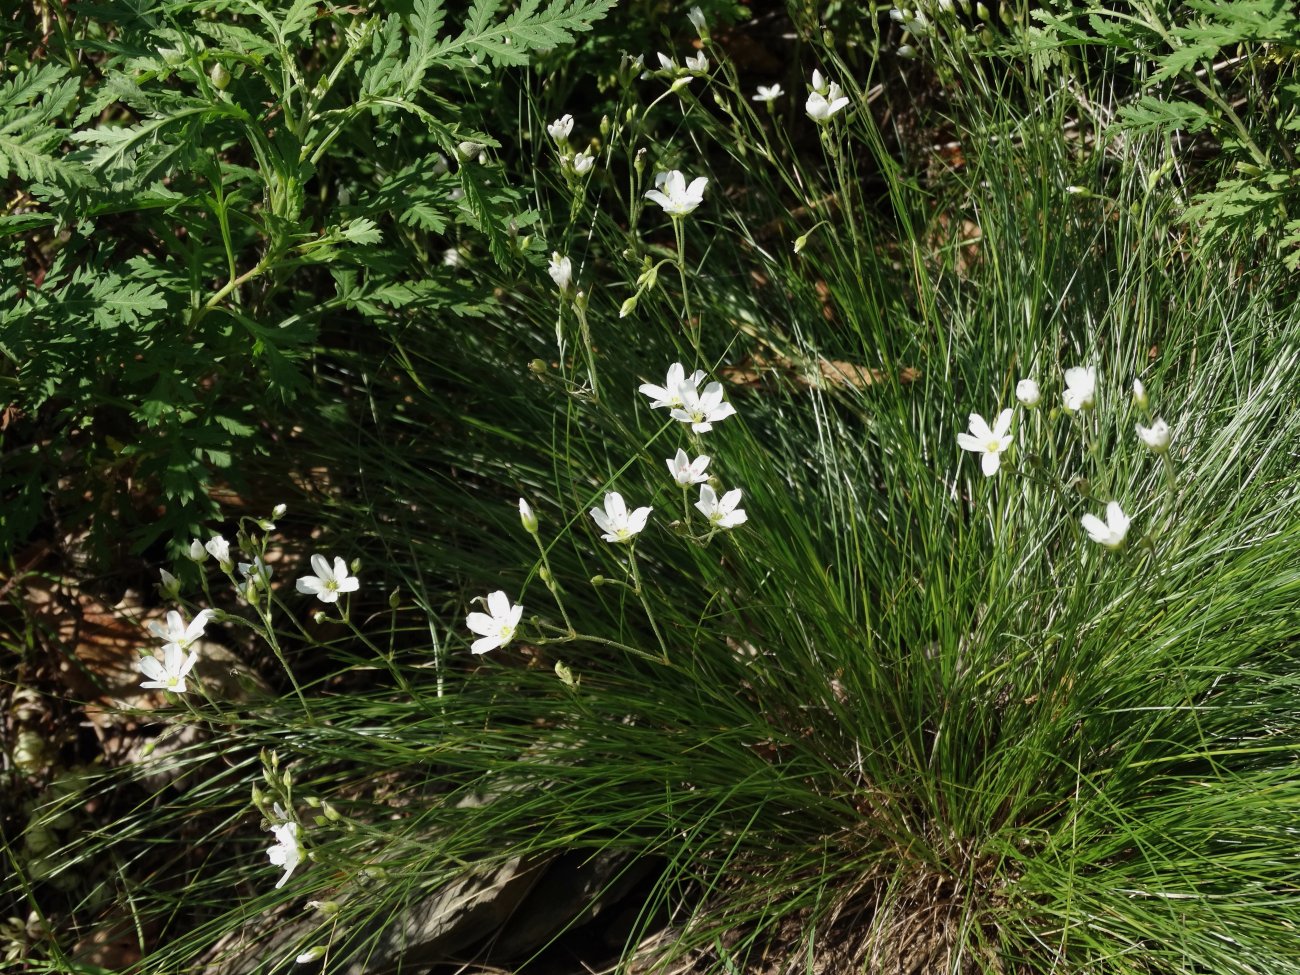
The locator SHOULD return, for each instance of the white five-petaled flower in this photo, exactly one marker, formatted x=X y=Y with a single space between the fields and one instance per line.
x=768 y=93
x=677 y=198
x=219 y=549
x=721 y=512
x=1111 y=532
x=1080 y=388
x=617 y=524
x=561 y=271
x=670 y=393
x=698 y=64
x=176 y=631
x=1028 y=393
x=496 y=627
x=561 y=128
x=1156 y=436
x=989 y=444
x=702 y=409
x=169 y=673
x=583 y=162
x=328 y=581
x=686 y=471
x=287 y=852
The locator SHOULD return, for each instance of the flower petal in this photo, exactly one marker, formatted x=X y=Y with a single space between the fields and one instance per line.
x=498 y=604
x=990 y=462
x=978 y=428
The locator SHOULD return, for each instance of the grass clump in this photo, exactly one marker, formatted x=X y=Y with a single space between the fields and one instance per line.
x=908 y=715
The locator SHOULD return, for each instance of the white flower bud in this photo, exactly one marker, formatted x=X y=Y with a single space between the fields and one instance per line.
x=1028 y=393
x=527 y=517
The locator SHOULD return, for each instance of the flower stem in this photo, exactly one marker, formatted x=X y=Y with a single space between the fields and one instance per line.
x=692 y=327
x=636 y=578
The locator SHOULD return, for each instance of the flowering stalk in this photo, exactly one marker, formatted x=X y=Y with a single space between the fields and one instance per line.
x=692 y=326
x=645 y=603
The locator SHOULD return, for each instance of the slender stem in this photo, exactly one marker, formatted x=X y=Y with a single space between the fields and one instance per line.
x=636 y=578
x=551 y=584
x=692 y=327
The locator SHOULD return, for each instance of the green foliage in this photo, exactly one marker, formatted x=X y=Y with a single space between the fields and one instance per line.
x=1224 y=70
x=186 y=209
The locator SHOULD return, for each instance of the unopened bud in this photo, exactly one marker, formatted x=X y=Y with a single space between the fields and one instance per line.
x=527 y=518
x=597 y=580
x=629 y=306
x=170 y=587
x=315 y=953
x=395 y=599
x=279 y=510
x=219 y=76
x=1140 y=399
x=197 y=552
x=320 y=616
x=537 y=366
x=468 y=150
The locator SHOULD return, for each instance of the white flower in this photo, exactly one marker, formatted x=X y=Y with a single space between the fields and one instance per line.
x=819 y=83
x=669 y=394
x=696 y=16
x=561 y=128
x=219 y=549
x=527 y=518
x=821 y=107
x=698 y=64
x=1080 y=388
x=615 y=522
x=1156 y=436
x=686 y=471
x=176 y=631
x=197 y=552
x=561 y=271
x=496 y=627
x=988 y=443
x=1139 y=395
x=328 y=582
x=677 y=198
x=287 y=852
x=1109 y=533
x=722 y=512
x=170 y=673
x=702 y=410
x=768 y=93
x=1028 y=393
